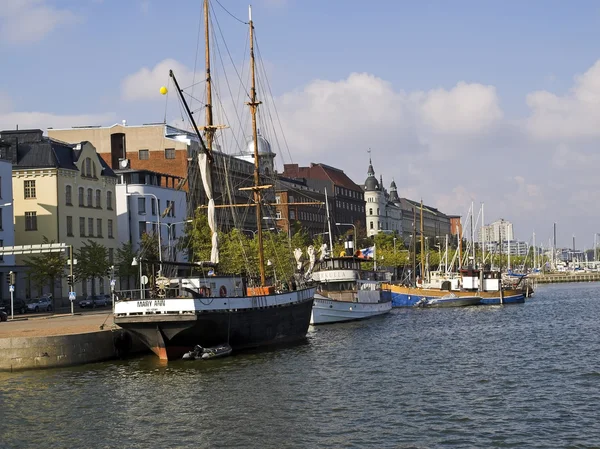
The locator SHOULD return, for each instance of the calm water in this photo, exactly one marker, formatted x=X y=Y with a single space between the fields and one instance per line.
x=516 y=376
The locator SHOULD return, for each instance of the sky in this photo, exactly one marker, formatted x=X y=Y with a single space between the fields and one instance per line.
x=494 y=103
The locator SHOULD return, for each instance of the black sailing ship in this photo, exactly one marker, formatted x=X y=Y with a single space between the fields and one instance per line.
x=215 y=310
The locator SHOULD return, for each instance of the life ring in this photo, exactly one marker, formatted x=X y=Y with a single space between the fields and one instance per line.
x=223 y=291
x=205 y=291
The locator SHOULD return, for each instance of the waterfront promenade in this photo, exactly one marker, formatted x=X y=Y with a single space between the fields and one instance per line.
x=61 y=340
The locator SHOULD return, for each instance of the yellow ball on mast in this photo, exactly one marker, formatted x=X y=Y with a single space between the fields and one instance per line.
x=163 y=90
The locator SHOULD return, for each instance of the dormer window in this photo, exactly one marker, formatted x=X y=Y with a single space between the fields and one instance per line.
x=89 y=168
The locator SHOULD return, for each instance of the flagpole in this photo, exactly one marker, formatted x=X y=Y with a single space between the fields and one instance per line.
x=374 y=257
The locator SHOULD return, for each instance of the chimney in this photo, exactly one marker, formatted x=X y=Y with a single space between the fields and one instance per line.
x=124 y=122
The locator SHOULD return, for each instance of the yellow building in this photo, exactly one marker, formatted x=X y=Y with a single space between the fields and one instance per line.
x=65 y=193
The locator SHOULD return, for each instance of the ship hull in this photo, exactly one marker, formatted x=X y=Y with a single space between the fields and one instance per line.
x=170 y=336
x=328 y=311
x=409 y=296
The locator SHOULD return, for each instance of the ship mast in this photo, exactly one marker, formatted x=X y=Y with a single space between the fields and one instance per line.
x=209 y=129
x=257 y=196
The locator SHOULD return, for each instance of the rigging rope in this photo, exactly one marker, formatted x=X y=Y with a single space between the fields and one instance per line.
x=225 y=9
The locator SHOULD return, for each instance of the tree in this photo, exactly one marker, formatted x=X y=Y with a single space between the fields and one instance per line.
x=46 y=268
x=92 y=261
x=123 y=267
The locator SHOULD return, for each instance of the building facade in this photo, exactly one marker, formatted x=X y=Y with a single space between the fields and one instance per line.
x=498 y=231
x=293 y=200
x=64 y=193
x=345 y=196
x=383 y=210
x=172 y=151
x=145 y=205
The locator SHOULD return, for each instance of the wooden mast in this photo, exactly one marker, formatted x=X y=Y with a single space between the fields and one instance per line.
x=209 y=129
x=257 y=195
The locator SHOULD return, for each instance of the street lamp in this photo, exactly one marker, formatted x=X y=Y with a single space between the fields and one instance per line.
x=134 y=263
x=169 y=225
x=354 y=236
x=158 y=220
x=282 y=218
x=394 y=246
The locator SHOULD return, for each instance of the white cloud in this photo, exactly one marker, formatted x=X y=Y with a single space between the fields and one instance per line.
x=44 y=120
x=145 y=83
x=574 y=115
x=466 y=108
x=25 y=21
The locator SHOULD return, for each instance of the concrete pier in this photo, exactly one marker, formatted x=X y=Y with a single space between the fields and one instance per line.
x=63 y=340
x=565 y=277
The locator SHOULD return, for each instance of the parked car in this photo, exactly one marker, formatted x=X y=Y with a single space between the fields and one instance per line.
x=3 y=315
x=40 y=304
x=19 y=305
x=93 y=301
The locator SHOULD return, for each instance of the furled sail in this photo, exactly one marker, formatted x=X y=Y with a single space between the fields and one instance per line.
x=212 y=217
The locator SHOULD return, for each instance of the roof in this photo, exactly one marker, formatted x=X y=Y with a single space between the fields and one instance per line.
x=34 y=150
x=322 y=172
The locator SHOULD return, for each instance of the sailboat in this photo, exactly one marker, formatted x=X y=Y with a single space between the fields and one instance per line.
x=469 y=286
x=218 y=310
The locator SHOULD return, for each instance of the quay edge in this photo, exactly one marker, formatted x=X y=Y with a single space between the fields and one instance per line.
x=24 y=353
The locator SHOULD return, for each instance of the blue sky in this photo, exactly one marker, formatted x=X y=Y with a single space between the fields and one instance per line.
x=530 y=157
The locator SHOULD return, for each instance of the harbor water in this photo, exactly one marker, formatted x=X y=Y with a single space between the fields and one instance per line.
x=519 y=376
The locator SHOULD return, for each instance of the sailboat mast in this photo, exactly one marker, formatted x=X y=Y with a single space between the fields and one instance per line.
x=482 y=238
x=257 y=196
x=209 y=129
x=422 y=246
x=414 y=247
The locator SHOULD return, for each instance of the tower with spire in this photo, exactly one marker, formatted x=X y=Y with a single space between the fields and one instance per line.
x=383 y=212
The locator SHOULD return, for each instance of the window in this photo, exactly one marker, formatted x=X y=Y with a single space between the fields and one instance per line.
x=109 y=198
x=278 y=215
x=81 y=227
x=110 y=229
x=141 y=206
x=292 y=215
x=94 y=170
x=90 y=195
x=1 y=213
x=142 y=228
x=370 y=211
x=31 y=221
x=29 y=189
x=87 y=169
x=70 y=226
x=90 y=227
x=101 y=286
x=98 y=199
x=170 y=153
x=81 y=195
x=111 y=256
x=371 y=225
x=143 y=155
x=68 y=195
x=99 y=227
x=170 y=208
x=174 y=232
x=153 y=205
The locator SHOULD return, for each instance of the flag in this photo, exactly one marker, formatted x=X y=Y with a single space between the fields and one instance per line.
x=367 y=253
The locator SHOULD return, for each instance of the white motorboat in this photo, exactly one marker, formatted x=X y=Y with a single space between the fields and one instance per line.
x=347 y=293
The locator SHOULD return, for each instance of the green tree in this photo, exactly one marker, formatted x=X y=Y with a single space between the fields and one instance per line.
x=92 y=261
x=45 y=269
x=123 y=267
